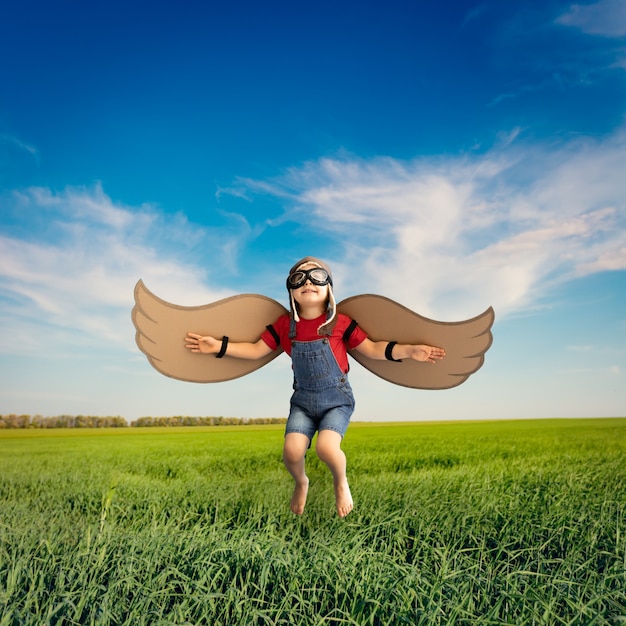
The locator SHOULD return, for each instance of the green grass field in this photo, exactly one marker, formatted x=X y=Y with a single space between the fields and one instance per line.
x=462 y=523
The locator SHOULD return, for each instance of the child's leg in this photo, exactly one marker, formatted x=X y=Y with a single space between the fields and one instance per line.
x=294 y=449
x=328 y=449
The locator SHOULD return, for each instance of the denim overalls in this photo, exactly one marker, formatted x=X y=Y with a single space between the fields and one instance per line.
x=322 y=398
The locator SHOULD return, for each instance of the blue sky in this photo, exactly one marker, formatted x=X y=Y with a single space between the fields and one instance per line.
x=450 y=156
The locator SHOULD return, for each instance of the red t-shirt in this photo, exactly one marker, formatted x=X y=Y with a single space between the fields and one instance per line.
x=306 y=330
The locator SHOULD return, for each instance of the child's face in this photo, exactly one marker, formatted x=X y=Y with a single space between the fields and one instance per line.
x=310 y=294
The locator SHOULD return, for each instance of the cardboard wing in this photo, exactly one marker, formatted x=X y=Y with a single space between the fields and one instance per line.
x=465 y=342
x=161 y=328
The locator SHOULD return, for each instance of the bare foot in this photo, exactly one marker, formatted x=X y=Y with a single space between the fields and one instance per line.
x=298 y=499
x=343 y=498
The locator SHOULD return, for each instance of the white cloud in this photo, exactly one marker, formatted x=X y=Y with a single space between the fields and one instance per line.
x=445 y=236
x=450 y=236
x=606 y=18
x=68 y=269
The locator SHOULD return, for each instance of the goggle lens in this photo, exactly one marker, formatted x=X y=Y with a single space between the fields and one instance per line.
x=317 y=275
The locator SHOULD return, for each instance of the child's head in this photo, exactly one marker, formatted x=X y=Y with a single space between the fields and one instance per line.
x=304 y=271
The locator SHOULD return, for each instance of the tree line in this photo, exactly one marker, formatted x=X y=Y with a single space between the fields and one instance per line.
x=206 y=421
x=91 y=421
x=61 y=421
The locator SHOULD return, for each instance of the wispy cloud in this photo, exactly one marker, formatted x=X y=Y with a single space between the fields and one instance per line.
x=69 y=263
x=570 y=63
x=445 y=236
x=452 y=235
x=605 y=18
x=16 y=142
x=474 y=13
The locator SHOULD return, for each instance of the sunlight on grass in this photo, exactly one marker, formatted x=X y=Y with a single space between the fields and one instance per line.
x=466 y=523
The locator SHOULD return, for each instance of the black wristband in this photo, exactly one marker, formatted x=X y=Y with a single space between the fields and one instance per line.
x=222 y=351
x=389 y=350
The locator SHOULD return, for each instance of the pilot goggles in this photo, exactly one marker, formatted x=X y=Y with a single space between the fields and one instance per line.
x=317 y=275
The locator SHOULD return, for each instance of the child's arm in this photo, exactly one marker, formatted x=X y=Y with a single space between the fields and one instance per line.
x=240 y=350
x=378 y=350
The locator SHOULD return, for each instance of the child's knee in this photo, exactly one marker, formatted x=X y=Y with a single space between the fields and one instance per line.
x=327 y=448
x=291 y=454
x=295 y=448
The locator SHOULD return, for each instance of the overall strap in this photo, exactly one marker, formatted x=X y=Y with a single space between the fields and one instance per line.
x=274 y=334
x=292 y=328
x=348 y=332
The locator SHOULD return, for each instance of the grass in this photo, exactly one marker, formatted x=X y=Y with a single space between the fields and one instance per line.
x=467 y=523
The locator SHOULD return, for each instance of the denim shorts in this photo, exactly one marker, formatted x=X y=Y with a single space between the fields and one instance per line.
x=312 y=411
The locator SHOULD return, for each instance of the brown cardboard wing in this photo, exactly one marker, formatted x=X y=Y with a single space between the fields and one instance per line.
x=162 y=326
x=465 y=342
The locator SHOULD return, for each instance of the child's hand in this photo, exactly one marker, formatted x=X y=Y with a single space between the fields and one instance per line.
x=206 y=345
x=428 y=354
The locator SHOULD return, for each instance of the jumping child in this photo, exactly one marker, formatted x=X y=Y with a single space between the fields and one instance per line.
x=317 y=338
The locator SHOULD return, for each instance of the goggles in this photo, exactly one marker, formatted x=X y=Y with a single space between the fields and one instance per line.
x=317 y=275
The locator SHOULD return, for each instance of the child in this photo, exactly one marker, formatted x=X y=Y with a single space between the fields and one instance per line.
x=317 y=339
